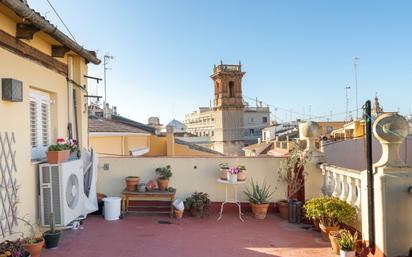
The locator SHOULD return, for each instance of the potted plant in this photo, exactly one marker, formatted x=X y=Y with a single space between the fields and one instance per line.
x=259 y=199
x=223 y=170
x=52 y=236
x=292 y=175
x=13 y=249
x=74 y=149
x=330 y=211
x=197 y=203
x=346 y=243
x=58 y=152
x=132 y=182
x=232 y=174
x=241 y=176
x=163 y=176
x=32 y=244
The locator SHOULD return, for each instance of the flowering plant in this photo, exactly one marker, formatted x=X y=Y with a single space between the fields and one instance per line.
x=234 y=170
x=64 y=144
x=12 y=249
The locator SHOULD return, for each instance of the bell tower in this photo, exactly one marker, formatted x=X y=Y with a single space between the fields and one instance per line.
x=229 y=109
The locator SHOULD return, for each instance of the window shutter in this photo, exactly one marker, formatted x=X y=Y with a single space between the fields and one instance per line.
x=39 y=124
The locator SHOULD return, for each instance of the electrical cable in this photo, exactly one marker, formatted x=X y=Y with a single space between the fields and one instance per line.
x=60 y=18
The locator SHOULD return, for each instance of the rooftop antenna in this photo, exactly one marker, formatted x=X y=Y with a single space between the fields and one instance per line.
x=355 y=66
x=106 y=59
x=310 y=112
x=347 y=102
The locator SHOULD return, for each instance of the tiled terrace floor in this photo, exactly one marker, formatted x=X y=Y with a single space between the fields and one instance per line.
x=144 y=236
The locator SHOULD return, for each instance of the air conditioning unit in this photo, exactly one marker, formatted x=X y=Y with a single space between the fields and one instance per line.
x=61 y=192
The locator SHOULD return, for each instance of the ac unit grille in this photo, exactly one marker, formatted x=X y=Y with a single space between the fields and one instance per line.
x=46 y=205
x=45 y=174
x=56 y=194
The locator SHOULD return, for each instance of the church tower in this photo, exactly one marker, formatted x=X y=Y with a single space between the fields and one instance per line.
x=229 y=109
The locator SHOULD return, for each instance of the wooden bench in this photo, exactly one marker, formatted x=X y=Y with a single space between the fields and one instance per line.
x=155 y=195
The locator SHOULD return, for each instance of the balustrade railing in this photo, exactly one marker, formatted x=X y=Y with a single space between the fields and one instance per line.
x=342 y=183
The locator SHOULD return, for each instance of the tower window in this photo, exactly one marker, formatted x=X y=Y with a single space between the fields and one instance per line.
x=231 y=89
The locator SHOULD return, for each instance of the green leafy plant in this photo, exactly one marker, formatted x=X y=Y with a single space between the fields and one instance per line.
x=198 y=200
x=241 y=167
x=346 y=240
x=224 y=166
x=32 y=239
x=329 y=210
x=52 y=229
x=291 y=173
x=164 y=172
x=59 y=147
x=259 y=194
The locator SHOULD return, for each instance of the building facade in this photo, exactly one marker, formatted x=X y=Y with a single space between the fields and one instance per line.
x=231 y=123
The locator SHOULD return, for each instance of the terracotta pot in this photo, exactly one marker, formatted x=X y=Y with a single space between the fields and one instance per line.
x=241 y=176
x=334 y=242
x=223 y=174
x=259 y=210
x=163 y=184
x=179 y=214
x=326 y=230
x=283 y=206
x=36 y=248
x=131 y=183
x=196 y=212
x=55 y=157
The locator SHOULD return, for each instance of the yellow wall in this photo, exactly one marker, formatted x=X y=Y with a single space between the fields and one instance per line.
x=15 y=115
x=106 y=145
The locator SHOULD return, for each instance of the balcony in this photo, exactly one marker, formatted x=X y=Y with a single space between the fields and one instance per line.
x=227 y=68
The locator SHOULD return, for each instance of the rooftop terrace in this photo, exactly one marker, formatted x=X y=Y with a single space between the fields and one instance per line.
x=190 y=237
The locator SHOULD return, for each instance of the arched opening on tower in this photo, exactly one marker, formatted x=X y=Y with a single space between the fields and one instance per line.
x=231 y=89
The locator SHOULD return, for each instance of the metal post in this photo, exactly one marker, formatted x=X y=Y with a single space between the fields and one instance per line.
x=369 y=168
x=347 y=103
x=355 y=64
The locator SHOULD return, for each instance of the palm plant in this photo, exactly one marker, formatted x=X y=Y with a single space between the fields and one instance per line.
x=346 y=241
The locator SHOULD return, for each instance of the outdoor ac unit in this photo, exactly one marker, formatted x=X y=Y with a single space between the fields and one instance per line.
x=61 y=192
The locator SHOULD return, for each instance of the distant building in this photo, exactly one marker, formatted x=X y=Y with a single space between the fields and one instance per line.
x=154 y=122
x=178 y=127
x=231 y=123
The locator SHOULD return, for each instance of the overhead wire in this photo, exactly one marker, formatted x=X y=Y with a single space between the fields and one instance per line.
x=60 y=18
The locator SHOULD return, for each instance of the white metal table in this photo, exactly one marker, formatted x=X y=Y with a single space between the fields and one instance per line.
x=227 y=200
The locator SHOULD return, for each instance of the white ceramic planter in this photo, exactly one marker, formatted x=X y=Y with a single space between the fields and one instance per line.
x=178 y=204
x=232 y=178
x=347 y=253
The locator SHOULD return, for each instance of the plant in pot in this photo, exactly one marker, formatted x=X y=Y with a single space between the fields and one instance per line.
x=330 y=212
x=74 y=149
x=347 y=243
x=292 y=175
x=241 y=176
x=259 y=197
x=223 y=170
x=197 y=203
x=132 y=182
x=232 y=174
x=52 y=236
x=58 y=152
x=163 y=176
x=13 y=249
x=32 y=244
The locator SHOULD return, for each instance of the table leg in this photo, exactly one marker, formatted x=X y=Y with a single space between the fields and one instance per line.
x=171 y=208
x=221 y=211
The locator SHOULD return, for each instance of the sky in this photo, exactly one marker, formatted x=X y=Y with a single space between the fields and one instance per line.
x=297 y=55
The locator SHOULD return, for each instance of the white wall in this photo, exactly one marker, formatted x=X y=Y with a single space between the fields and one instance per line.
x=351 y=153
x=189 y=174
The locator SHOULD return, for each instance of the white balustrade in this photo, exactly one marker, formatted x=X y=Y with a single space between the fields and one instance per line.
x=342 y=183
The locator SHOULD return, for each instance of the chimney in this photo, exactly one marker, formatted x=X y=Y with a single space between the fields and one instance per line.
x=115 y=110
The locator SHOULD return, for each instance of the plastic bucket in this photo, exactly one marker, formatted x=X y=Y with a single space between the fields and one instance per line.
x=178 y=204
x=112 y=208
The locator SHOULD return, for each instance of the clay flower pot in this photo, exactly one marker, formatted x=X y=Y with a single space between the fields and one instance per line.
x=179 y=214
x=223 y=174
x=163 y=184
x=55 y=157
x=241 y=176
x=36 y=248
x=333 y=236
x=326 y=230
x=259 y=210
x=283 y=206
x=131 y=183
x=196 y=212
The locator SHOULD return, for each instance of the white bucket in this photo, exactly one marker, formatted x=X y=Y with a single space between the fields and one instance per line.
x=112 y=208
x=178 y=204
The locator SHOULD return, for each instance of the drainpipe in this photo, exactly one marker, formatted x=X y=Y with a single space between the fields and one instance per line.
x=70 y=95
x=369 y=168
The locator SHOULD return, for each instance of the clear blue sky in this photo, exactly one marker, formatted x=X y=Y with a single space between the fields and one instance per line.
x=295 y=53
